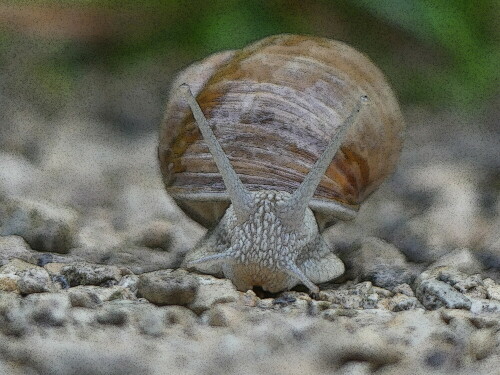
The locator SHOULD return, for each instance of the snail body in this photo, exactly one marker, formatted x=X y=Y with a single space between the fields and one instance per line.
x=269 y=145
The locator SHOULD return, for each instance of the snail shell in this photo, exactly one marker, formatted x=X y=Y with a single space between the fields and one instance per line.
x=274 y=106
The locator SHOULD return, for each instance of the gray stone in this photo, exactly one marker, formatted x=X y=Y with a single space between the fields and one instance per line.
x=130 y=282
x=316 y=307
x=404 y=289
x=493 y=292
x=44 y=226
x=476 y=292
x=15 y=247
x=460 y=259
x=379 y=262
x=93 y=296
x=168 y=287
x=81 y=296
x=384 y=292
x=480 y=306
x=156 y=234
x=212 y=291
x=82 y=273
x=334 y=313
x=434 y=294
x=459 y=280
x=341 y=298
x=249 y=298
x=24 y=278
x=266 y=303
x=401 y=302
x=34 y=280
x=370 y=301
x=222 y=315
x=111 y=315
x=353 y=297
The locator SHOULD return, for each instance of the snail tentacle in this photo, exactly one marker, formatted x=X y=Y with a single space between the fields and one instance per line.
x=292 y=211
x=240 y=197
x=212 y=259
x=295 y=271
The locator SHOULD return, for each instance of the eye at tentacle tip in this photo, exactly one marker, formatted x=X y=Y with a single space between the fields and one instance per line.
x=185 y=87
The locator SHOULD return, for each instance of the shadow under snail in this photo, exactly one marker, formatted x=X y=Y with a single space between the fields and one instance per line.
x=267 y=146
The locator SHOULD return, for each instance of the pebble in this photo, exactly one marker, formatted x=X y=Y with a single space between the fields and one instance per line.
x=156 y=234
x=480 y=306
x=44 y=226
x=130 y=282
x=84 y=297
x=222 y=315
x=381 y=263
x=249 y=298
x=212 y=291
x=493 y=292
x=82 y=273
x=353 y=297
x=284 y=300
x=460 y=259
x=168 y=287
x=334 y=314
x=404 y=289
x=112 y=315
x=370 y=301
x=316 y=307
x=24 y=278
x=401 y=302
x=54 y=268
x=384 y=292
x=266 y=303
x=15 y=247
x=434 y=294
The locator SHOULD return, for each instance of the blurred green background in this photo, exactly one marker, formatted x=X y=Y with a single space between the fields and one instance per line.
x=114 y=59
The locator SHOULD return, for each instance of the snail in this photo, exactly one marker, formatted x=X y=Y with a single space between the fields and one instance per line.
x=268 y=146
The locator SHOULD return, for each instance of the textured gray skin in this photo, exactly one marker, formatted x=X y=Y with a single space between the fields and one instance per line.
x=264 y=251
x=267 y=238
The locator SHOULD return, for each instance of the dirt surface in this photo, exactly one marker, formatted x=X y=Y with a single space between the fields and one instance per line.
x=90 y=245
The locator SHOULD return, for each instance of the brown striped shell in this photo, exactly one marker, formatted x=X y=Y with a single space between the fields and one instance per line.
x=273 y=106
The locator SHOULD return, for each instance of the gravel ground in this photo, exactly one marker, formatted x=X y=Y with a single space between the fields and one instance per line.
x=91 y=244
